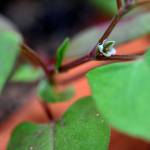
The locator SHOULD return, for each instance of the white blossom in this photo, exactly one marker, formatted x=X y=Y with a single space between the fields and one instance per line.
x=107 y=48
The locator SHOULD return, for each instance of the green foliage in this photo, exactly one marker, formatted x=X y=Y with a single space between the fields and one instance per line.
x=61 y=52
x=121 y=92
x=9 y=48
x=27 y=73
x=82 y=128
x=49 y=94
x=130 y=29
x=105 y=6
x=28 y=136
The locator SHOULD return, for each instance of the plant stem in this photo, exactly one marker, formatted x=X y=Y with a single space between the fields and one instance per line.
x=117 y=18
x=85 y=59
x=34 y=58
x=50 y=71
x=113 y=23
x=113 y=59
x=91 y=55
x=120 y=57
x=119 y=4
x=75 y=63
x=47 y=110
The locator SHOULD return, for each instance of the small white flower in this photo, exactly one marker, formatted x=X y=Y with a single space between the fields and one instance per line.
x=107 y=48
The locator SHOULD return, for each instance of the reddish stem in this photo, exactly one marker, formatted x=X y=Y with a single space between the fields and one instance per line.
x=119 y=4
x=47 y=111
x=75 y=63
x=51 y=70
x=113 y=23
x=120 y=57
x=113 y=59
x=117 y=18
x=34 y=58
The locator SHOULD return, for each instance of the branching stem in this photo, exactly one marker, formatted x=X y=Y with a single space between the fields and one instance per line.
x=115 y=20
x=50 y=71
x=35 y=59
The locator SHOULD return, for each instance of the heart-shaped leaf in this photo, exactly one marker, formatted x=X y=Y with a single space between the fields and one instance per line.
x=121 y=92
x=133 y=27
x=82 y=128
x=9 y=49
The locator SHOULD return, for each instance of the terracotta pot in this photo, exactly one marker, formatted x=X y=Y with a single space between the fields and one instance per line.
x=33 y=111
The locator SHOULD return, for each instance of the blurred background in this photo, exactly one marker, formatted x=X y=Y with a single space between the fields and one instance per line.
x=45 y=23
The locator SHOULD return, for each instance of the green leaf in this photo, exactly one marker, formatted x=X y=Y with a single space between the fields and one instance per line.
x=27 y=73
x=132 y=28
x=28 y=136
x=49 y=94
x=9 y=49
x=82 y=128
x=105 y=6
x=121 y=92
x=61 y=52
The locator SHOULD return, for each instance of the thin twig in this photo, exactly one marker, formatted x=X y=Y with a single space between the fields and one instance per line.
x=108 y=31
x=50 y=70
x=90 y=56
x=117 y=18
x=114 y=59
x=85 y=59
x=34 y=58
x=120 y=57
x=113 y=23
x=47 y=111
x=75 y=63
x=119 y=5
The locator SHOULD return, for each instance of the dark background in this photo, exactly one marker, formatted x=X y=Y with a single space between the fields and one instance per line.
x=45 y=23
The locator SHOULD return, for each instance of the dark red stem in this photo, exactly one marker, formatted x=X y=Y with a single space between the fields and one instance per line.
x=48 y=111
x=75 y=63
x=119 y=4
